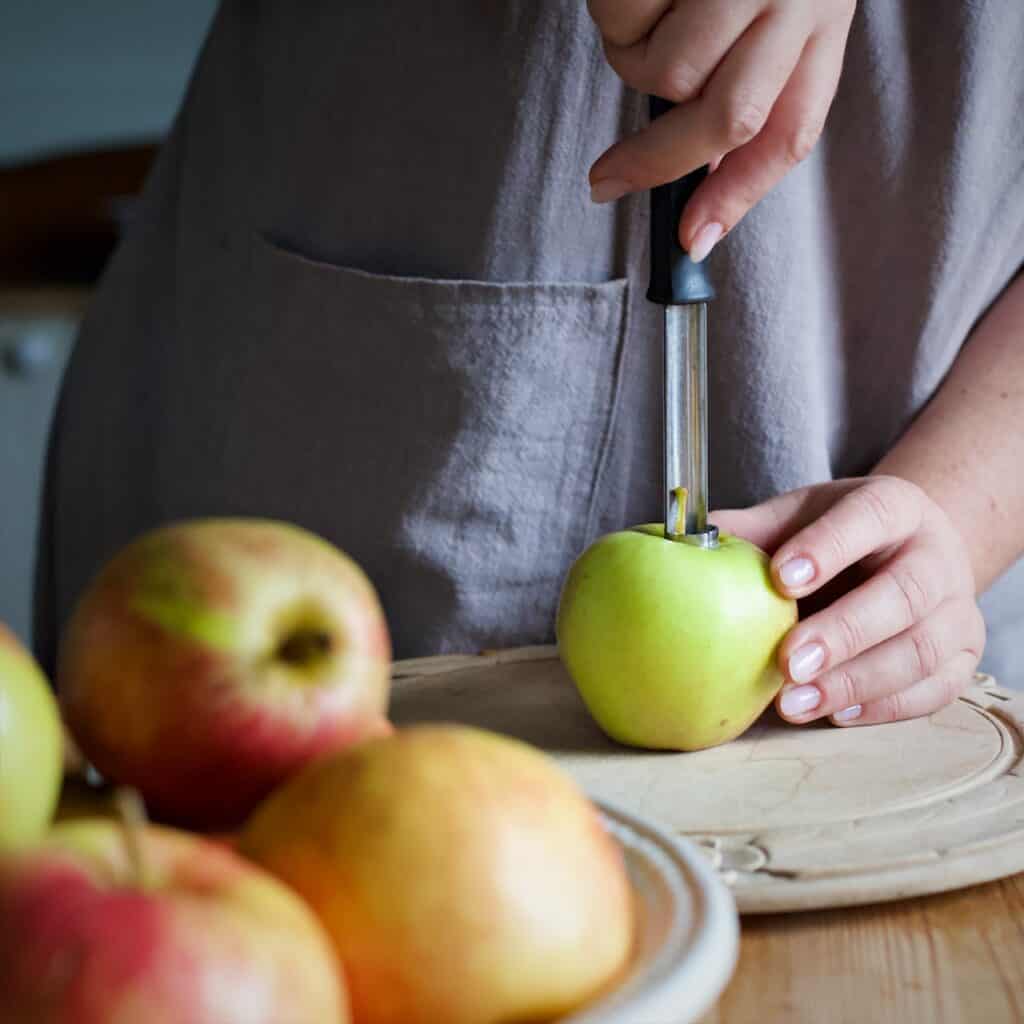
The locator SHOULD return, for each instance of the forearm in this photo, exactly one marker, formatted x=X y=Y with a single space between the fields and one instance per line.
x=966 y=449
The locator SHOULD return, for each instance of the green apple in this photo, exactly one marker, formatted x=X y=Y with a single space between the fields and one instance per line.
x=31 y=746
x=672 y=646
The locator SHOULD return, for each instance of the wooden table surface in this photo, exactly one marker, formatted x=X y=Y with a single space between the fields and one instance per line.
x=956 y=957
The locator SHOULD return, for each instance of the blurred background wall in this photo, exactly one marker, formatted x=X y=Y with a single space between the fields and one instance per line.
x=87 y=91
x=92 y=73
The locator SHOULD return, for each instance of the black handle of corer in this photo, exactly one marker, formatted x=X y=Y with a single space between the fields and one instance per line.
x=675 y=279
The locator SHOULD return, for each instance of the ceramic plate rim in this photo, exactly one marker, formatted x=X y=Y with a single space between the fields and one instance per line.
x=686 y=976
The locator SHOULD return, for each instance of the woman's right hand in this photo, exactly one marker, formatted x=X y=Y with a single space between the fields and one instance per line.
x=754 y=80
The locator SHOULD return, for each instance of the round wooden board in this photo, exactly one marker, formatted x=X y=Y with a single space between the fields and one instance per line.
x=794 y=818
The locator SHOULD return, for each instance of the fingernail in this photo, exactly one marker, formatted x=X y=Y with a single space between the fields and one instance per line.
x=608 y=190
x=798 y=700
x=797 y=572
x=805 y=662
x=705 y=240
x=847 y=714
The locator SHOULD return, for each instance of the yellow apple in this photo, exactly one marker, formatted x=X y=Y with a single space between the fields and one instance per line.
x=671 y=645
x=463 y=877
x=31 y=747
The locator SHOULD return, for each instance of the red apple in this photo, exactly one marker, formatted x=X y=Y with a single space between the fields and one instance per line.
x=210 y=659
x=462 y=875
x=208 y=938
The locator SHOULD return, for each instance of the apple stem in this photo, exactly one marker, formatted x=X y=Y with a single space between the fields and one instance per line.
x=131 y=811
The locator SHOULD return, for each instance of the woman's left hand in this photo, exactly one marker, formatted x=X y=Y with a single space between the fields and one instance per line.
x=905 y=639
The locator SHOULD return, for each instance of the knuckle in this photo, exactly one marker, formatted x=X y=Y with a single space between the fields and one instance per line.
x=739 y=121
x=877 y=500
x=850 y=634
x=843 y=689
x=680 y=81
x=927 y=652
x=801 y=141
x=893 y=708
x=837 y=549
x=973 y=630
x=898 y=707
x=915 y=593
x=949 y=686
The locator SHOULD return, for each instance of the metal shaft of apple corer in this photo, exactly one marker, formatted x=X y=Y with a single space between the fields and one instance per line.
x=686 y=420
x=682 y=287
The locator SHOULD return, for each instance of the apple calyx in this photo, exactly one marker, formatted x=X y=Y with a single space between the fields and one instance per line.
x=132 y=817
x=304 y=647
x=306 y=638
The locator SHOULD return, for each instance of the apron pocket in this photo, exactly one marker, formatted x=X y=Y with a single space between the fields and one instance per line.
x=447 y=434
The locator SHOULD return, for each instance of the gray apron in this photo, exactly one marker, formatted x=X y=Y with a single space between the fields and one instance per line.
x=366 y=292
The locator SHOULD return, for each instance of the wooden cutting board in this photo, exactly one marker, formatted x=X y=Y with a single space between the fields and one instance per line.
x=794 y=818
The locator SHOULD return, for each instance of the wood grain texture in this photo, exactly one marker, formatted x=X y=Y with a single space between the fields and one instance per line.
x=957 y=958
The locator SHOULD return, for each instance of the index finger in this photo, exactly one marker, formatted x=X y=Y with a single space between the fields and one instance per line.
x=669 y=147
x=774 y=521
x=880 y=514
x=731 y=110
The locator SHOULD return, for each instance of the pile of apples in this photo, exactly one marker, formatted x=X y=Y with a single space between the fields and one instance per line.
x=311 y=864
